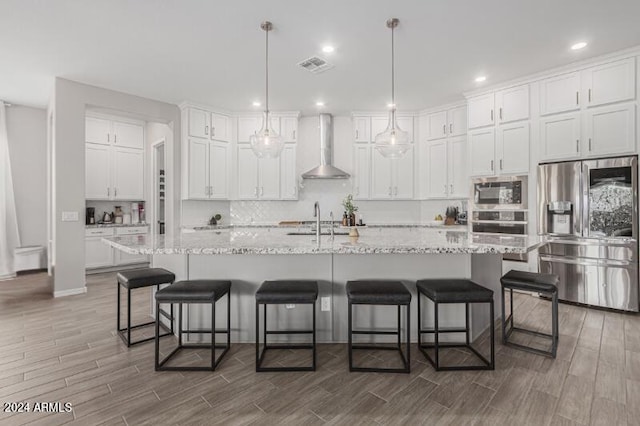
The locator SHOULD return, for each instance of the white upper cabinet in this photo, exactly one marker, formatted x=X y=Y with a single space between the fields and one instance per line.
x=218 y=170
x=480 y=110
x=220 y=127
x=362 y=129
x=289 y=129
x=560 y=137
x=512 y=104
x=247 y=127
x=381 y=180
x=128 y=135
x=198 y=123
x=436 y=165
x=482 y=152
x=611 y=130
x=247 y=174
x=128 y=174
x=436 y=125
x=198 y=163
x=392 y=179
x=457 y=121
x=403 y=176
x=560 y=94
x=269 y=178
x=97 y=172
x=361 y=171
x=612 y=82
x=457 y=169
x=288 y=173
x=378 y=125
x=97 y=130
x=512 y=148
x=405 y=123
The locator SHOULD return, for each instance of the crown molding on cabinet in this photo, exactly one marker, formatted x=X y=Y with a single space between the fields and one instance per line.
x=574 y=66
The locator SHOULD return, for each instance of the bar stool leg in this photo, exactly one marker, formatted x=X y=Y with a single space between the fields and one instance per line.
x=118 y=310
x=408 y=337
x=436 y=336
x=213 y=335
x=504 y=318
x=350 y=337
x=492 y=335
x=466 y=322
x=179 y=324
x=399 y=330
x=128 y=317
x=257 y=335
x=229 y=320
x=314 y=336
x=419 y=322
x=157 y=339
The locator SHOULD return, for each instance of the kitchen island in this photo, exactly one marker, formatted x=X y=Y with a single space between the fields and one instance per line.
x=251 y=254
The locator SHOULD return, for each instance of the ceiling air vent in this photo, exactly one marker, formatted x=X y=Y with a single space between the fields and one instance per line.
x=316 y=65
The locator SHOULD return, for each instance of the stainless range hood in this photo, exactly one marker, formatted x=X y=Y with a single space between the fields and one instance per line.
x=326 y=170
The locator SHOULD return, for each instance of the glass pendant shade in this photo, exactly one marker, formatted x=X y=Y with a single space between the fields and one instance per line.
x=266 y=143
x=393 y=142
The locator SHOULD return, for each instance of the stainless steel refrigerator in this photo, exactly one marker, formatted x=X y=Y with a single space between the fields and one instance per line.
x=588 y=210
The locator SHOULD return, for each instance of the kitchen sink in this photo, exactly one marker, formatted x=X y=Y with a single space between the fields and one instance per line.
x=311 y=233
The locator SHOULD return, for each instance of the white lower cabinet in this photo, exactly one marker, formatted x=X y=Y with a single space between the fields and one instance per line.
x=100 y=255
x=97 y=253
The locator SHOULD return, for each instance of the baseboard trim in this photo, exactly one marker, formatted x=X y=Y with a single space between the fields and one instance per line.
x=71 y=292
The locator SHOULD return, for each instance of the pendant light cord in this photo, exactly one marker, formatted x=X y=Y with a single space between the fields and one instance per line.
x=266 y=68
x=393 y=74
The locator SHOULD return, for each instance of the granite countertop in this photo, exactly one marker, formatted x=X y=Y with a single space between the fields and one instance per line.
x=372 y=240
x=114 y=225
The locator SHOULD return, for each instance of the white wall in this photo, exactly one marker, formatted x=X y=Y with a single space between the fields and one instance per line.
x=27 y=132
x=70 y=101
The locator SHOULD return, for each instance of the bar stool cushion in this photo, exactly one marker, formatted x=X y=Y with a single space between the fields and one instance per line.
x=287 y=291
x=145 y=277
x=530 y=281
x=378 y=292
x=193 y=291
x=454 y=291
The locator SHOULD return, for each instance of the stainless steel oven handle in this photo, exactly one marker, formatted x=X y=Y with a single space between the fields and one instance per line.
x=588 y=262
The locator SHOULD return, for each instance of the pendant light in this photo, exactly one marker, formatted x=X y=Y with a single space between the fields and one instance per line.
x=266 y=143
x=393 y=142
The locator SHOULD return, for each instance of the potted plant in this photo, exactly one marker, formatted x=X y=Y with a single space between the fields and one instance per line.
x=350 y=209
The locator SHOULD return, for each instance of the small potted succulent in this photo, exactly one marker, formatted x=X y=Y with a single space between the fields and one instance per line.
x=350 y=209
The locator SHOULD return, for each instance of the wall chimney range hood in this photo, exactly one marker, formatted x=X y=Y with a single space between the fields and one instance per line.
x=326 y=169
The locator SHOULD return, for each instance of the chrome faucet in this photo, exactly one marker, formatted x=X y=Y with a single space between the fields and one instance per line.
x=316 y=214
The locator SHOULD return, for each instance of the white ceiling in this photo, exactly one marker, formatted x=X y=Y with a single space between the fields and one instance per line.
x=212 y=51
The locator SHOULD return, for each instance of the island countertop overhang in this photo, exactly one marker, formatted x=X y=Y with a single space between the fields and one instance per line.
x=275 y=241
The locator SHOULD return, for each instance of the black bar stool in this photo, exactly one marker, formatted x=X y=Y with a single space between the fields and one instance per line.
x=139 y=278
x=188 y=292
x=380 y=292
x=545 y=284
x=454 y=291
x=281 y=292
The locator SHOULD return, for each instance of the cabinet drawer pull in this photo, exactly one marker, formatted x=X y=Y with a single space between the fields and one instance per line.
x=500 y=113
x=589 y=95
x=450 y=128
x=491 y=165
x=577 y=98
x=501 y=164
x=206 y=130
x=577 y=145
x=492 y=115
x=589 y=144
x=444 y=129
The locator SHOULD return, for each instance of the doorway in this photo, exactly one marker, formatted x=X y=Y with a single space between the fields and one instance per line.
x=159 y=187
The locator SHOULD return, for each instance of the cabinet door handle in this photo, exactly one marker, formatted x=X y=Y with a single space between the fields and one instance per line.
x=390 y=192
x=445 y=188
x=492 y=115
x=491 y=165
x=108 y=138
x=577 y=98
x=115 y=192
x=500 y=113
x=356 y=133
x=501 y=164
x=451 y=189
x=357 y=190
x=589 y=95
x=255 y=191
x=450 y=128
x=108 y=192
x=577 y=145
x=115 y=138
x=294 y=135
x=206 y=130
x=213 y=131
x=589 y=144
x=261 y=191
x=395 y=190
x=444 y=129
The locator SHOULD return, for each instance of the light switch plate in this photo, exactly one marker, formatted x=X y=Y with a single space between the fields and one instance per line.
x=325 y=304
x=69 y=216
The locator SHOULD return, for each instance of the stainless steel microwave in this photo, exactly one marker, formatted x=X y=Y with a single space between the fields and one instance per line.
x=502 y=192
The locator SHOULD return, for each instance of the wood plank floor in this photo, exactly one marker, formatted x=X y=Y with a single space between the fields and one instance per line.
x=66 y=350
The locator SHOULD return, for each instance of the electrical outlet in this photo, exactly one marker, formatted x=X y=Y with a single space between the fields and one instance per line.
x=289 y=306
x=69 y=216
x=325 y=304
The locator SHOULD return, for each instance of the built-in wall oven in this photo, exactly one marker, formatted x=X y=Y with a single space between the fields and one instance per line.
x=499 y=207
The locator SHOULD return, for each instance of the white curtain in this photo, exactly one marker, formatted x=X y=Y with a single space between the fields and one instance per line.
x=9 y=235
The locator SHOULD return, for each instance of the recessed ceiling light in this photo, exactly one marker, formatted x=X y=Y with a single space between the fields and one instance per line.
x=480 y=79
x=328 y=49
x=319 y=104
x=579 y=46
x=256 y=104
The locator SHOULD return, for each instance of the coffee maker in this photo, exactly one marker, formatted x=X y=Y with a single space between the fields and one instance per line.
x=90 y=217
